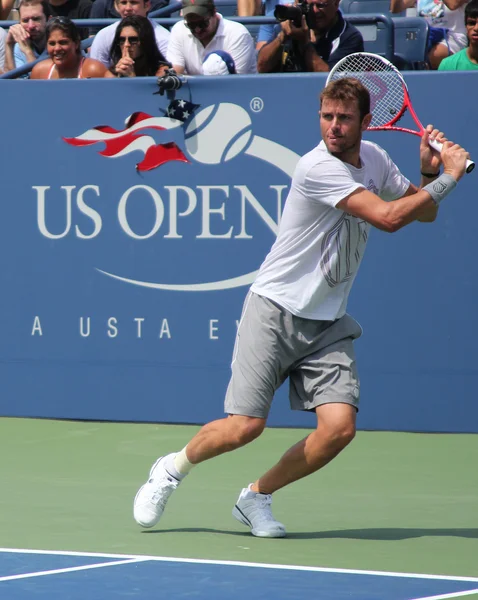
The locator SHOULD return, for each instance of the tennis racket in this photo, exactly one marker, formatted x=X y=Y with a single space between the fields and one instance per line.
x=389 y=95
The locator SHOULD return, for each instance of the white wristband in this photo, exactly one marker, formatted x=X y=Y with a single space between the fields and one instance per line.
x=440 y=188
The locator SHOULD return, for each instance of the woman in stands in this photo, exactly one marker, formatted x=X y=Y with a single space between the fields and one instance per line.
x=134 y=52
x=66 y=59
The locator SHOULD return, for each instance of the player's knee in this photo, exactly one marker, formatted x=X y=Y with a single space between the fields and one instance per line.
x=340 y=434
x=247 y=429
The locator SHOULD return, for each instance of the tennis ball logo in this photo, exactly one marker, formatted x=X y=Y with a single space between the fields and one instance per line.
x=218 y=133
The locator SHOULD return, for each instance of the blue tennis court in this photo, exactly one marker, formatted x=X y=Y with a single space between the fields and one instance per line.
x=34 y=574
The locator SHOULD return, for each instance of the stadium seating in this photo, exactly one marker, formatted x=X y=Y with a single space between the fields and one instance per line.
x=377 y=32
x=410 y=41
x=365 y=6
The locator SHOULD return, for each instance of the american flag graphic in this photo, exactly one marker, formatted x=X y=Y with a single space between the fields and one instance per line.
x=132 y=137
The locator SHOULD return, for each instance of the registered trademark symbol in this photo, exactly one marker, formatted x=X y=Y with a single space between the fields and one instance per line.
x=257 y=104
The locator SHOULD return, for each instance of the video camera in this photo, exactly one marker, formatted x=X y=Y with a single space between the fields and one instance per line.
x=168 y=82
x=293 y=13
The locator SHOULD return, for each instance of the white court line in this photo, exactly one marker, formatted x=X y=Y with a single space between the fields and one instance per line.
x=232 y=563
x=71 y=569
x=451 y=595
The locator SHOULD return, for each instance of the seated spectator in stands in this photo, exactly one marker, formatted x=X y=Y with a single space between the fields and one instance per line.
x=106 y=9
x=447 y=33
x=322 y=39
x=26 y=41
x=134 y=52
x=204 y=30
x=5 y=9
x=66 y=59
x=3 y=35
x=466 y=59
x=101 y=47
x=72 y=9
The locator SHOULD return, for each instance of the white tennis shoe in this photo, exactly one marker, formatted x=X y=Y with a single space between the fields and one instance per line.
x=152 y=497
x=254 y=510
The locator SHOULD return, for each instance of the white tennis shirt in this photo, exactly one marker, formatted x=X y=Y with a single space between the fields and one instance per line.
x=313 y=262
x=187 y=51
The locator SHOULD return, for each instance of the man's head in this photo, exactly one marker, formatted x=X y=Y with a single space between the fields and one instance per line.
x=127 y=8
x=344 y=115
x=471 y=22
x=33 y=16
x=200 y=18
x=322 y=14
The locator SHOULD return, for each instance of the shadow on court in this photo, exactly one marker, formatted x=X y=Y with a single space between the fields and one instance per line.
x=387 y=533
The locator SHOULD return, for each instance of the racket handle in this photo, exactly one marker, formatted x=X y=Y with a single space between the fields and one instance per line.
x=470 y=165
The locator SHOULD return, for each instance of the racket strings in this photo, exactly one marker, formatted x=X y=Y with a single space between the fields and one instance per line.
x=384 y=83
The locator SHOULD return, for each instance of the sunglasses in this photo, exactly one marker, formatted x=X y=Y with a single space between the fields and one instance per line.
x=199 y=24
x=132 y=39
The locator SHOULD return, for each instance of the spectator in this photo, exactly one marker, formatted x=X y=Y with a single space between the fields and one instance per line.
x=3 y=35
x=6 y=8
x=204 y=30
x=466 y=59
x=72 y=9
x=447 y=33
x=317 y=44
x=66 y=60
x=26 y=41
x=106 y=9
x=134 y=52
x=101 y=47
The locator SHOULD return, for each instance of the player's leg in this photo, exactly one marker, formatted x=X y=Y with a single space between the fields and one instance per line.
x=325 y=381
x=223 y=435
x=168 y=471
x=335 y=430
x=248 y=401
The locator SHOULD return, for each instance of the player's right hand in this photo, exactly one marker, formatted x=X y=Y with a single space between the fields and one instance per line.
x=454 y=159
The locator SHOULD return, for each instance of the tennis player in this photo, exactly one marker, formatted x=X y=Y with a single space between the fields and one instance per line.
x=294 y=322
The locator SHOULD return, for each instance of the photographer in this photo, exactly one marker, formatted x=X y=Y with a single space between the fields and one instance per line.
x=313 y=40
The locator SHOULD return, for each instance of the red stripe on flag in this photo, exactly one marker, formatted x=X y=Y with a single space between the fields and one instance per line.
x=160 y=154
x=112 y=147
x=77 y=142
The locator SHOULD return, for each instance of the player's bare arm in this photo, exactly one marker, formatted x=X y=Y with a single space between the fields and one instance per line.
x=392 y=216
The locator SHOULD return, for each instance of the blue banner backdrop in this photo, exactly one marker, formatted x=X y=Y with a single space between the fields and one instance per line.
x=132 y=226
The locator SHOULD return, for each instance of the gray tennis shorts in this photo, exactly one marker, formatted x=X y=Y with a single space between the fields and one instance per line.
x=273 y=344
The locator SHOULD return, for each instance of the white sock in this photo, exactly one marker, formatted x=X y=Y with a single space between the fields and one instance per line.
x=181 y=463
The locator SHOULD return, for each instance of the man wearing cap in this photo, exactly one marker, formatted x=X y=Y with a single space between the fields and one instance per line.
x=204 y=31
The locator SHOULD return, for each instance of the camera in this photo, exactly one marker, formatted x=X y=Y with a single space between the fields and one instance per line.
x=169 y=82
x=292 y=13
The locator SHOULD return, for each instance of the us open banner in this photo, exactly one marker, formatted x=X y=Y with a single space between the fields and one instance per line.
x=134 y=223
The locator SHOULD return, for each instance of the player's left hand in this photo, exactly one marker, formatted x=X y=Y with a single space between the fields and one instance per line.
x=430 y=159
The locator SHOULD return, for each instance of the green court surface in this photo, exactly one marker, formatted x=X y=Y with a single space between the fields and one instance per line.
x=397 y=502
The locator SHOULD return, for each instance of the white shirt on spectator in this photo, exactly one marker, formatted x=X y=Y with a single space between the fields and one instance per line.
x=101 y=46
x=187 y=51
